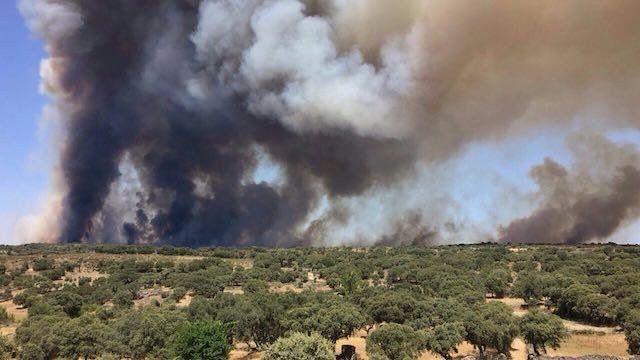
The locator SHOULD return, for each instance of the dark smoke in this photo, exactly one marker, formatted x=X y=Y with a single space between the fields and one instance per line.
x=409 y=230
x=576 y=207
x=173 y=146
x=170 y=109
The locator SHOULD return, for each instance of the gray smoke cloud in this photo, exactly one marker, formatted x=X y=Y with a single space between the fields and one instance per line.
x=169 y=108
x=589 y=201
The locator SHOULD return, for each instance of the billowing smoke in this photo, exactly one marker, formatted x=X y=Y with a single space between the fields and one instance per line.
x=171 y=109
x=588 y=202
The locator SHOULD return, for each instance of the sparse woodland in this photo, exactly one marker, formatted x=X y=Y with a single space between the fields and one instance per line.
x=144 y=302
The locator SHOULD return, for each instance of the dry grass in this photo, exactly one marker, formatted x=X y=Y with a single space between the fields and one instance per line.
x=359 y=340
x=244 y=263
x=317 y=284
x=514 y=303
x=83 y=272
x=233 y=290
x=243 y=352
x=576 y=326
x=18 y=312
x=579 y=345
x=278 y=287
x=185 y=301
x=8 y=330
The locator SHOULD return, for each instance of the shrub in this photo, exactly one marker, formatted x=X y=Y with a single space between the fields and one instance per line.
x=43 y=263
x=202 y=341
x=632 y=332
x=299 y=346
x=4 y=316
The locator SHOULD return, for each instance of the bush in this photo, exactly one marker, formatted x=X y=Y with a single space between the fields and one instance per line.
x=123 y=298
x=71 y=303
x=178 y=293
x=202 y=341
x=6 y=348
x=43 y=263
x=632 y=332
x=299 y=346
x=53 y=274
x=24 y=299
x=4 y=316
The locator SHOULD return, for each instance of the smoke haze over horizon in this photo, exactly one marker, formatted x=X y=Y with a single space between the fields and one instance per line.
x=329 y=122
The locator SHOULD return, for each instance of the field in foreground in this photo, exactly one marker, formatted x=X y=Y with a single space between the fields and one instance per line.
x=116 y=302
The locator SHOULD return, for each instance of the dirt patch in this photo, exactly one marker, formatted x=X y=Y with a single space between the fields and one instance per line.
x=243 y=352
x=317 y=284
x=516 y=304
x=278 y=287
x=75 y=275
x=8 y=330
x=185 y=301
x=18 y=312
x=244 y=263
x=233 y=290
x=359 y=340
x=151 y=296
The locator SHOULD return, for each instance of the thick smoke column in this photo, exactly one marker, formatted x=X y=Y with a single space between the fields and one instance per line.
x=589 y=202
x=169 y=108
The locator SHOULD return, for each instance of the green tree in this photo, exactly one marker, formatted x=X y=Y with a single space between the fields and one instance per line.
x=445 y=338
x=36 y=340
x=491 y=325
x=350 y=281
x=202 y=341
x=123 y=298
x=394 y=342
x=334 y=322
x=299 y=346
x=145 y=333
x=391 y=306
x=84 y=337
x=43 y=263
x=497 y=282
x=632 y=332
x=71 y=303
x=528 y=286
x=256 y=317
x=542 y=330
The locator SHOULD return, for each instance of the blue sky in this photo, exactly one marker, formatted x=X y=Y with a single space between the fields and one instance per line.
x=21 y=183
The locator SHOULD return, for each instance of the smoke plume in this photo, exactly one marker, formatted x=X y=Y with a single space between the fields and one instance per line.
x=588 y=202
x=171 y=109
